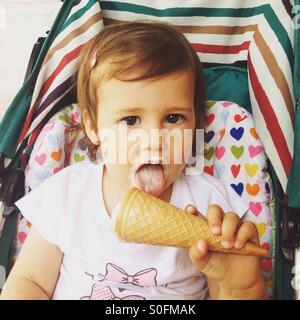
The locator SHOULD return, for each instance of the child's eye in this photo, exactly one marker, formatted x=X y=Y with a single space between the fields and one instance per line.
x=174 y=118
x=130 y=121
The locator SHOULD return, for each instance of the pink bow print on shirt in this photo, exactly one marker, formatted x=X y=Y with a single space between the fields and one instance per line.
x=143 y=278
x=100 y=292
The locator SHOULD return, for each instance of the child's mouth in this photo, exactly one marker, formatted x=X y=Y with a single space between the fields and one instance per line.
x=150 y=178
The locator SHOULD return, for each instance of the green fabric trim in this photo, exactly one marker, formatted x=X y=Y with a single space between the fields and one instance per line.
x=7 y=237
x=221 y=84
x=78 y=14
x=265 y=9
x=293 y=190
x=283 y=268
x=297 y=60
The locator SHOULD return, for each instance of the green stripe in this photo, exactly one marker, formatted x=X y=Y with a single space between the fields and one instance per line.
x=78 y=14
x=281 y=34
x=266 y=10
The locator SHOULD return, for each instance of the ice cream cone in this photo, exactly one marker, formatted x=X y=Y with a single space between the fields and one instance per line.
x=143 y=218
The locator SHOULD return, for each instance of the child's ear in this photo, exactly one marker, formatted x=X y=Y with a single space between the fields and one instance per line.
x=89 y=128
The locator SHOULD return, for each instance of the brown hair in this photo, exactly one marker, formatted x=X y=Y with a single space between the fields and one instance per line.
x=137 y=51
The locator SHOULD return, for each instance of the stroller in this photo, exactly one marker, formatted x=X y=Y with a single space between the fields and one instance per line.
x=248 y=50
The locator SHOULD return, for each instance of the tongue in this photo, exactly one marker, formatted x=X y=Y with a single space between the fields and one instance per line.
x=150 y=178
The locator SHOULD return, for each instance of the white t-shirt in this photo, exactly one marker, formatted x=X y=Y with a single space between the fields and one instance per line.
x=68 y=211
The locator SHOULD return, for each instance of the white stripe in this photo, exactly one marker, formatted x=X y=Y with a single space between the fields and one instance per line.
x=274 y=95
x=265 y=137
x=77 y=23
x=219 y=39
x=184 y=21
x=284 y=18
x=272 y=41
x=77 y=7
x=158 y=4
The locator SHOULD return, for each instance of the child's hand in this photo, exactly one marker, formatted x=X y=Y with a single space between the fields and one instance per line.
x=229 y=276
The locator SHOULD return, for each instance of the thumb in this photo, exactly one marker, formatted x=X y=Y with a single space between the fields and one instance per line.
x=211 y=264
x=200 y=255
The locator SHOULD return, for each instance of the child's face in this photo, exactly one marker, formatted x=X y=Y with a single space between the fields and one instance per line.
x=136 y=119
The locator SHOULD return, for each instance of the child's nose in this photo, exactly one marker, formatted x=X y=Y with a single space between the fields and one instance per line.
x=154 y=140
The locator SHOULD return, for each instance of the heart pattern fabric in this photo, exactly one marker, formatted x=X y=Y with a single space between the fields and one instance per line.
x=234 y=153
x=58 y=145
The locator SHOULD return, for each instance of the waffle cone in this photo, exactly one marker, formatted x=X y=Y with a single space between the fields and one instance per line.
x=146 y=219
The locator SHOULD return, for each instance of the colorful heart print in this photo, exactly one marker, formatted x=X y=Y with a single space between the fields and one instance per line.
x=55 y=170
x=253 y=133
x=235 y=170
x=222 y=132
x=22 y=236
x=78 y=157
x=40 y=158
x=239 y=118
x=251 y=169
x=56 y=155
x=219 y=152
x=210 y=104
x=261 y=228
x=209 y=119
x=227 y=104
x=238 y=188
x=208 y=153
x=255 y=207
x=254 y=151
x=208 y=136
x=237 y=133
x=266 y=265
x=237 y=151
x=209 y=170
x=252 y=189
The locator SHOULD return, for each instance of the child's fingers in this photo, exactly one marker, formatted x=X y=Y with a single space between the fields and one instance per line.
x=229 y=228
x=246 y=232
x=191 y=209
x=215 y=216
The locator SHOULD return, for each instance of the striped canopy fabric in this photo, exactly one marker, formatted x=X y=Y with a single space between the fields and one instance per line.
x=256 y=34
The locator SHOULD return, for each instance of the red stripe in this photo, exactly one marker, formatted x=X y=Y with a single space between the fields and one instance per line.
x=65 y=61
x=26 y=125
x=210 y=48
x=271 y=120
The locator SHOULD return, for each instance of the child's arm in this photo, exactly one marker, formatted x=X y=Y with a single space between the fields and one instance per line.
x=36 y=270
x=229 y=276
